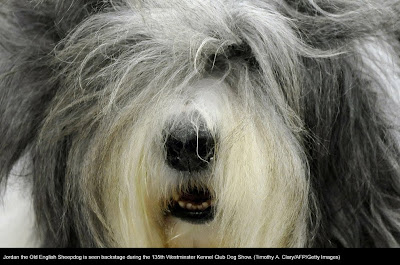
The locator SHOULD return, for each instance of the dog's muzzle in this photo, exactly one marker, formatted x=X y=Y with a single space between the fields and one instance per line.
x=190 y=150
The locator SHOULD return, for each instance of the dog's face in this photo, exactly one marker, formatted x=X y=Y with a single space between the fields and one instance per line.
x=205 y=123
x=188 y=132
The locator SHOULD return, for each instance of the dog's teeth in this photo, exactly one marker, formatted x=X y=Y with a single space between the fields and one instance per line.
x=205 y=205
x=191 y=206
x=182 y=204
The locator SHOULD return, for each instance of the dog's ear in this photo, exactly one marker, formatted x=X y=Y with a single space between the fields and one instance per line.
x=353 y=150
x=29 y=31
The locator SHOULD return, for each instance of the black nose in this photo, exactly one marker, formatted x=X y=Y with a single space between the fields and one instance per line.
x=190 y=150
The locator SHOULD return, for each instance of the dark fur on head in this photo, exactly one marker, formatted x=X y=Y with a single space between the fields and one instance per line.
x=350 y=137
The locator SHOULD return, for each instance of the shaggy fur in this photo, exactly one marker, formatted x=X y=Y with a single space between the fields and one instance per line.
x=300 y=97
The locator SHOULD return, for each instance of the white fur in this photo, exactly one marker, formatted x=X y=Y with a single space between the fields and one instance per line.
x=382 y=62
x=17 y=219
x=245 y=190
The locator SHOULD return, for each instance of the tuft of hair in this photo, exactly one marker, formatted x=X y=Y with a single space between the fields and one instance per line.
x=301 y=98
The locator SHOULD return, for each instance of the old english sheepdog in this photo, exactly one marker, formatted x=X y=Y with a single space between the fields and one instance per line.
x=203 y=123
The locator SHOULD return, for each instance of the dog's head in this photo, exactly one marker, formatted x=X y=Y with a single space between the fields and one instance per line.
x=222 y=123
x=184 y=113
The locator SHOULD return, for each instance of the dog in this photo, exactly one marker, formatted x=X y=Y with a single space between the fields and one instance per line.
x=224 y=123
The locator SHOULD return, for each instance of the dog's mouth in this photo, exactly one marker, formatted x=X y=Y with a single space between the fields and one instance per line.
x=194 y=206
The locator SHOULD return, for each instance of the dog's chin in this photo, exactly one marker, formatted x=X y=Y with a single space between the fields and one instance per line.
x=194 y=206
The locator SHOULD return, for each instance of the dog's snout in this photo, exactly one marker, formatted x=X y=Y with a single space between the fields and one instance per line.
x=190 y=150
